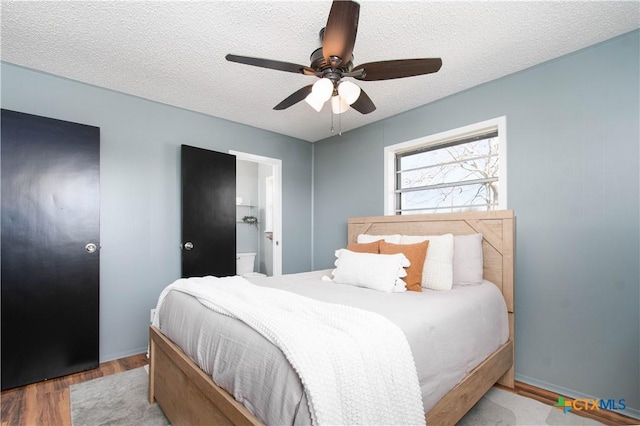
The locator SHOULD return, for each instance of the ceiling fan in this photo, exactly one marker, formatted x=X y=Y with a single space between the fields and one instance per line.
x=334 y=61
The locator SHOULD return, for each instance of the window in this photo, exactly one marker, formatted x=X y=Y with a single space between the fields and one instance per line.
x=462 y=169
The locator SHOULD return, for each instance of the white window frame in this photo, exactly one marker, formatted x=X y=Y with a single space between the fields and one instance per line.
x=499 y=124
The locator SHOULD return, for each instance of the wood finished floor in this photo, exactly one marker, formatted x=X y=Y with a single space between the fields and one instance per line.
x=48 y=403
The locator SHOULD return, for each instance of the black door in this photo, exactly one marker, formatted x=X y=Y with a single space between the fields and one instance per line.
x=50 y=275
x=208 y=213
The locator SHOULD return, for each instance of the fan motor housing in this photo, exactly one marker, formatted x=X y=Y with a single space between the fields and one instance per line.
x=318 y=62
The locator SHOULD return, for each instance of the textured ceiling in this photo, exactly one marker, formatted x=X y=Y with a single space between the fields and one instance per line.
x=173 y=51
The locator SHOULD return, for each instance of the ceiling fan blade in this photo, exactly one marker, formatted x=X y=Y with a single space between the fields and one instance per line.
x=363 y=104
x=340 y=32
x=271 y=64
x=294 y=98
x=388 y=70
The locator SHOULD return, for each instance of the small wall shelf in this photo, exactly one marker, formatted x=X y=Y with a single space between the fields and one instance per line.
x=246 y=210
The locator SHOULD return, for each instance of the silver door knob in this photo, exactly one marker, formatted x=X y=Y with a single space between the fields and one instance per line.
x=188 y=245
x=91 y=248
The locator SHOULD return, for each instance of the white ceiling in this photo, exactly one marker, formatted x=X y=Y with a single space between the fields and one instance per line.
x=173 y=51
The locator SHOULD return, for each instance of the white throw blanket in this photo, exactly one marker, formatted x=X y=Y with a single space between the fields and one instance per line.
x=356 y=366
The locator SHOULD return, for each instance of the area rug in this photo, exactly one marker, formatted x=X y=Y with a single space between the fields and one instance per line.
x=121 y=399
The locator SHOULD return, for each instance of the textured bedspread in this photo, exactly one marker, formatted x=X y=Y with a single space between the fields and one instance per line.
x=355 y=365
x=449 y=333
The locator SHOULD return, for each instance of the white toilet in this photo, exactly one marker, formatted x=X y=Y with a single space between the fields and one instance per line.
x=244 y=265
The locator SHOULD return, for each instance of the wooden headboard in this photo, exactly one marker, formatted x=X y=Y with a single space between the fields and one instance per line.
x=496 y=227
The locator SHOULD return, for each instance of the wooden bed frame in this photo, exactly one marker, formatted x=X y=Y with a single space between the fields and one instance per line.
x=188 y=396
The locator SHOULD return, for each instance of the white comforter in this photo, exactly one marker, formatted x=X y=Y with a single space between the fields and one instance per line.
x=355 y=365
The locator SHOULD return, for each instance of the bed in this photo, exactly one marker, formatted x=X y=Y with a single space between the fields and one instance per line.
x=188 y=395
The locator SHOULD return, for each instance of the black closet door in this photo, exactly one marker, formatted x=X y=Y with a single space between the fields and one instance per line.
x=50 y=275
x=208 y=213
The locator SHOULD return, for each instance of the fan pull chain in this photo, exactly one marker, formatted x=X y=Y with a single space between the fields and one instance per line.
x=331 y=113
x=339 y=124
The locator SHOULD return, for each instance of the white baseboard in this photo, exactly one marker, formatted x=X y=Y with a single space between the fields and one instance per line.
x=119 y=355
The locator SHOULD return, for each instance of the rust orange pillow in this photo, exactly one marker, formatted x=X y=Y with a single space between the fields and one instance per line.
x=416 y=253
x=373 y=247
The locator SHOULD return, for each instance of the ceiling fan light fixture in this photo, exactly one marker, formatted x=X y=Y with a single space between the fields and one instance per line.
x=321 y=92
x=349 y=91
x=323 y=89
x=333 y=60
x=314 y=101
x=338 y=105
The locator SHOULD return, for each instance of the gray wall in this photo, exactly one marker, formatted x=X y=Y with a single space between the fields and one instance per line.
x=574 y=183
x=140 y=192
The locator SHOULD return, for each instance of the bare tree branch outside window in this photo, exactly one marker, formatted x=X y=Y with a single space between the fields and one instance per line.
x=462 y=176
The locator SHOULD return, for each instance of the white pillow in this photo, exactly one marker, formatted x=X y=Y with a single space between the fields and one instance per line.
x=437 y=273
x=467 y=259
x=382 y=272
x=366 y=238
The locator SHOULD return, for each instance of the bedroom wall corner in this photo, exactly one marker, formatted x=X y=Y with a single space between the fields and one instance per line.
x=574 y=184
x=346 y=183
x=140 y=189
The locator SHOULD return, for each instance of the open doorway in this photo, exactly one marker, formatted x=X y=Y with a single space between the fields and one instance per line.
x=259 y=212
